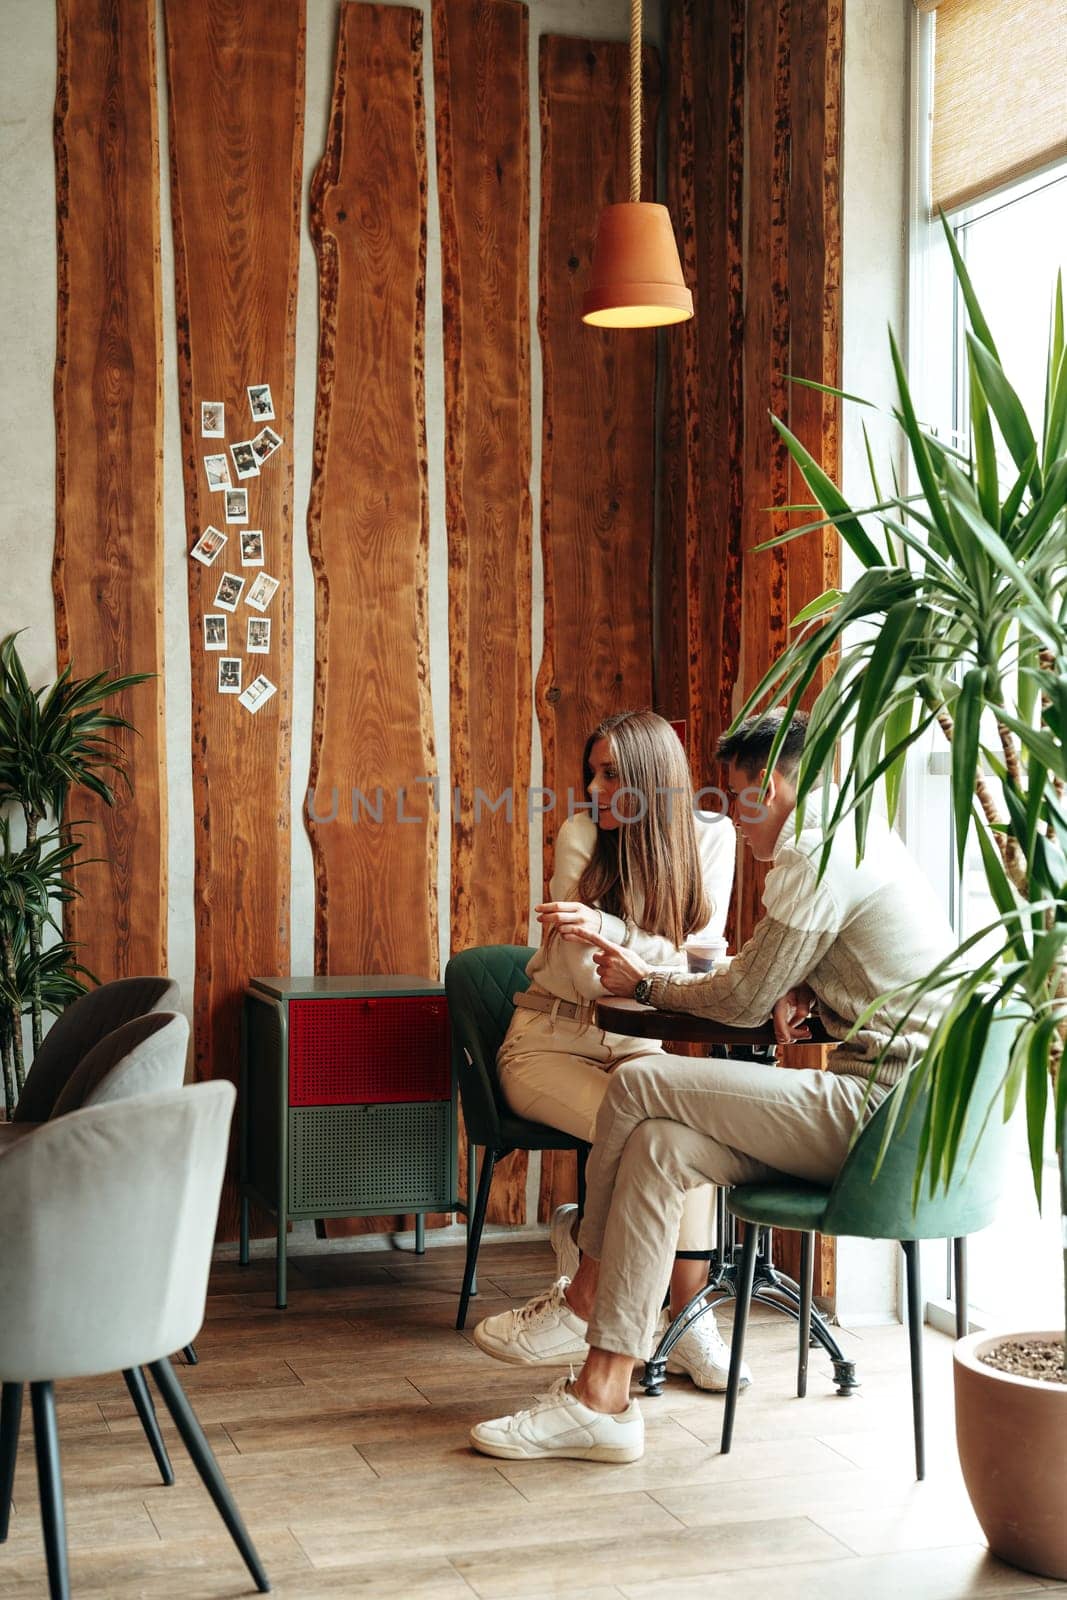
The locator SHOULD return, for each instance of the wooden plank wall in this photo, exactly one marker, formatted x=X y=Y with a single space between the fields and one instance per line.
x=236 y=81
x=368 y=520
x=758 y=186
x=598 y=432
x=481 y=95
x=699 y=556
x=107 y=572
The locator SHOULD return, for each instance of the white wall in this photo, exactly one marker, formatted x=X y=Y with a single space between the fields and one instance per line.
x=874 y=218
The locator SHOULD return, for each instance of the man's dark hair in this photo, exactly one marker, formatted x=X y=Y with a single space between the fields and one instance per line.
x=749 y=747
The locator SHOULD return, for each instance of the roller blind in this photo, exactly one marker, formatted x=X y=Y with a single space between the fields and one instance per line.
x=1000 y=93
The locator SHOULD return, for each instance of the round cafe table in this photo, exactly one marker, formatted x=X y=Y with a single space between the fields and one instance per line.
x=679 y=1027
x=770 y=1286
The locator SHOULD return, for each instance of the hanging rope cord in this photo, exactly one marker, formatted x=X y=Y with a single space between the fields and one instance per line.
x=635 y=99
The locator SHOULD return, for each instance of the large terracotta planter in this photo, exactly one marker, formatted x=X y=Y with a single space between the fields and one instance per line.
x=1012 y=1438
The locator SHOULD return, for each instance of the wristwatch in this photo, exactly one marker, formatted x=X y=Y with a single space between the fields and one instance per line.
x=643 y=991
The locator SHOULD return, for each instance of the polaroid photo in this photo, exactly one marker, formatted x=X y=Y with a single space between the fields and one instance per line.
x=229 y=591
x=212 y=419
x=258 y=636
x=207 y=547
x=251 y=547
x=265 y=443
x=230 y=675
x=260 y=403
x=258 y=693
x=218 y=472
x=244 y=459
x=261 y=593
x=215 y=632
x=236 y=505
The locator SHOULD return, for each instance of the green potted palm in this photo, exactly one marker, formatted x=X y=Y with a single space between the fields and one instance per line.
x=51 y=739
x=957 y=629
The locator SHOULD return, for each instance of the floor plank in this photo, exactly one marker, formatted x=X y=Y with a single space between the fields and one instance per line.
x=342 y=1427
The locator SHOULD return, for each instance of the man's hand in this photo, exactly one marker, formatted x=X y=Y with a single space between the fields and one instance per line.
x=619 y=970
x=791 y=1013
x=568 y=917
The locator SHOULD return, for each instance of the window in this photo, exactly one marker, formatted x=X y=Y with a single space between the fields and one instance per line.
x=1013 y=242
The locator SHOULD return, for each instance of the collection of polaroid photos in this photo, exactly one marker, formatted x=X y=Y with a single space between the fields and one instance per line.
x=226 y=471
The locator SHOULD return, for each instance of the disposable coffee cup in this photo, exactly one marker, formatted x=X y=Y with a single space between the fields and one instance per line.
x=704 y=955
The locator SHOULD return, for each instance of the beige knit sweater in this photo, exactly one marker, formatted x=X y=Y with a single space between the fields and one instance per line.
x=860 y=933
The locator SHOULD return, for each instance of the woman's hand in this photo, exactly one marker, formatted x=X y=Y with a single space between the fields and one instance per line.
x=791 y=1013
x=568 y=917
x=619 y=970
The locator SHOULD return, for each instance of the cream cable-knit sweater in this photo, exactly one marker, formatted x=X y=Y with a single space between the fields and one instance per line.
x=859 y=933
x=565 y=968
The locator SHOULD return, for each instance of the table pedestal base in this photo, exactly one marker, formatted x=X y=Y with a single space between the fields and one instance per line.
x=770 y=1288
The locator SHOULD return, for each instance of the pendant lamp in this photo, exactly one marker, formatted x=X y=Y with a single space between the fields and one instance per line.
x=636 y=281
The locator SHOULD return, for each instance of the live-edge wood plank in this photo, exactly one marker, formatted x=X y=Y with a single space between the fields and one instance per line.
x=481 y=97
x=236 y=88
x=373 y=828
x=107 y=574
x=598 y=421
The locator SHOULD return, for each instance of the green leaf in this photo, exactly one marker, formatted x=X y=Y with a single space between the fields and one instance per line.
x=1037 y=1081
x=966 y=506
x=832 y=500
x=1006 y=407
x=1052 y=504
x=1002 y=890
x=920 y=453
x=963 y=278
x=985 y=454
x=967 y=718
x=1040 y=744
x=1055 y=428
x=897 y=731
x=819 y=606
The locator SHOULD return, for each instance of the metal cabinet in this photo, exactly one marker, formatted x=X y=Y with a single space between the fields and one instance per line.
x=347 y=1101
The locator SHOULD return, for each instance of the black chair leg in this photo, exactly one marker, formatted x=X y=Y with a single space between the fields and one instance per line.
x=485 y=1183
x=10 y=1417
x=915 y=1336
x=191 y=1357
x=737 y=1344
x=142 y=1399
x=959 y=1286
x=50 y=1489
x=193 y=1438
x=807 y=1275
x=582 y=1155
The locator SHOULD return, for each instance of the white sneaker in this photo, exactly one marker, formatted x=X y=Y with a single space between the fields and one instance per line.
x=567 y=1254
x=704 y=1355
x=545 y=1332
x=558 y=1424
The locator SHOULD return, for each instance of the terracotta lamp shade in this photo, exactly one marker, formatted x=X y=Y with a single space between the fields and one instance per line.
x=636 y=280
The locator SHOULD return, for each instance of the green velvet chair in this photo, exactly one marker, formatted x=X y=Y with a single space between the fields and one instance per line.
x=480 y=984
x=866 y=1205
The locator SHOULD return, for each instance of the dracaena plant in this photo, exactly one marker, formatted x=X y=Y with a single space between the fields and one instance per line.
x=958 y=623
x=52 y=740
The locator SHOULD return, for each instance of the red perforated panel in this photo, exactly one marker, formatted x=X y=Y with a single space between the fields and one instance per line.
x=353 y=1052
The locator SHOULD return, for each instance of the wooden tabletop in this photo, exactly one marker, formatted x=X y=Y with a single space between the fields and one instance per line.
x=679 y=1027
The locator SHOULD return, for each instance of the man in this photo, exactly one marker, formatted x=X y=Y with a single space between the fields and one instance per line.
x=837 y=943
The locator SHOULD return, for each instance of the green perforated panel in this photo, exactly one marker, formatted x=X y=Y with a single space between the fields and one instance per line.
x=370 y=1158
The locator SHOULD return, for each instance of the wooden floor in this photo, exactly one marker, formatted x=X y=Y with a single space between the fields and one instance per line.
x=342 y=1428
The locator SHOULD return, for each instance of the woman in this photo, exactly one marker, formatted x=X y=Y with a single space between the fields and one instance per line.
x=646 y=873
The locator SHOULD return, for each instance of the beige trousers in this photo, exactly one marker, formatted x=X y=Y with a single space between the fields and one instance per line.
x=558 y=1072
x=672 y=1125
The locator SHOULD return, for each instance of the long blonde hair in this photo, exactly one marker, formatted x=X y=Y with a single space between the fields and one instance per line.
x=649 y=868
